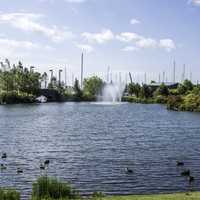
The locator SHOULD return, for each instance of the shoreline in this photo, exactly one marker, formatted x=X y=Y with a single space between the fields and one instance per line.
x=170 y=196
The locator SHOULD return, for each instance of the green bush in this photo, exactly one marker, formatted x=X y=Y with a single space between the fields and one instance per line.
x=9 y=195
x=14 y=97
x=174 y=102
x=133 y=99
x=98 y=196
x=50 y=188
x=161 y=99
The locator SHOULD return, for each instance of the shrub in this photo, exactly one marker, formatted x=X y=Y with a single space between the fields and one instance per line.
x=50 y=188
x=9 y=195
x=162 y=90
x=174 y=102
x=14 y=97
x=98 y=196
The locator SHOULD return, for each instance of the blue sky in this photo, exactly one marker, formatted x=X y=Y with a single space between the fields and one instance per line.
x=128 y=35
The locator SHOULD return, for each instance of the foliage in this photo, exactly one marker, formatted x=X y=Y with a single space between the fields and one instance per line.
x=98 y=196
x=92 y=86
x=191 y=102
x=133 y=99
x=50 y=188
x=9 y=195
x=14 y=97
x=161 y=99
x=185 y=87
x=77 y=90
x=174 y=102
x=162 y=90
x=18 y=81
x=188 y=85
x=134 y=89
x=145 y=91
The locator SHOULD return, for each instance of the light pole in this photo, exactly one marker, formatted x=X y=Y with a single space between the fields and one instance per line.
x=51 y=71
x=60 y=71
x=81 y=70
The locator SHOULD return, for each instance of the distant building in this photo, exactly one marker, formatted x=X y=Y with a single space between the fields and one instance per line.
x=170 y=85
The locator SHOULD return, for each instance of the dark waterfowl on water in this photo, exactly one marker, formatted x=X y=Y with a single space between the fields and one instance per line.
x=185 y=173
x=42 y=166
x=3 y=167
x=4 y=155
x=19 y=170
x=179 y=163
x=191 y=179
x=128 y=170
x=46 y=162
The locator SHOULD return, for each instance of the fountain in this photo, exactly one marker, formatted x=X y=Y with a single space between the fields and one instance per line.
x=112 y=93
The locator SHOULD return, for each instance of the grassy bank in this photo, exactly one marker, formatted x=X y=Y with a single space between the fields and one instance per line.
x=48 y=188
x=178 y=196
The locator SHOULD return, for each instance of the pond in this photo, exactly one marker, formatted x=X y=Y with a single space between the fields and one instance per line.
x=90 y=146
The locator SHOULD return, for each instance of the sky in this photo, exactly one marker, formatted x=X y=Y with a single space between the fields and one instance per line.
x=137 y=36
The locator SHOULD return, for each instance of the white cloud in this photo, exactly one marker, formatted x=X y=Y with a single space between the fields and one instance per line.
x=128 y=37
x=11 y=47
x=141 y=41
x=194 y=2
x=134 y=21
x=146 y=43
x=167 y=44
x=85 y=47
x=29 y=22
x=130 y=48
x=100 y=38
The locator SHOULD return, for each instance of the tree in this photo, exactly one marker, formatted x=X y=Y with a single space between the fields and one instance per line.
x=77 y=90
x=92 y=86
x=134 y=89
x=145 y=91
x=162 y=90
x=188 y=85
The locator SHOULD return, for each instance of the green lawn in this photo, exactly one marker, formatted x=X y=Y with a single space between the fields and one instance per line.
x=181 y=196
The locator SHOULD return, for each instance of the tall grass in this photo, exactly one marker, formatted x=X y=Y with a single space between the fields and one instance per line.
x=51 y=188
x=9 y=195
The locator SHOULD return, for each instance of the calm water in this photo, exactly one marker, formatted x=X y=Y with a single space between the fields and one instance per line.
x=90 y=146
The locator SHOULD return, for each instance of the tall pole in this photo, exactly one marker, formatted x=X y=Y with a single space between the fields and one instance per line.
x=60 y=77
x=163 y=76
x=51 y=71
x=120 y=77
x=111 y=77
x=174 y=73
x=65 y=76
x=145 y=78
x=130 y=76
x=108 y=72
x=82 y=70
x=72 y=79
x=126 y=78
x=159 y=78
x=191 y=76
x=183 y=77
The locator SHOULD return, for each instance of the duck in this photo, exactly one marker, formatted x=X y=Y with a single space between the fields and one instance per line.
x=42 y=166
x=185 y=173
x=128 y=170
x=191 y=179
x=179 y=163
x=3 y=167
x=46 y=162
x=19 y=170
x=4 y=155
